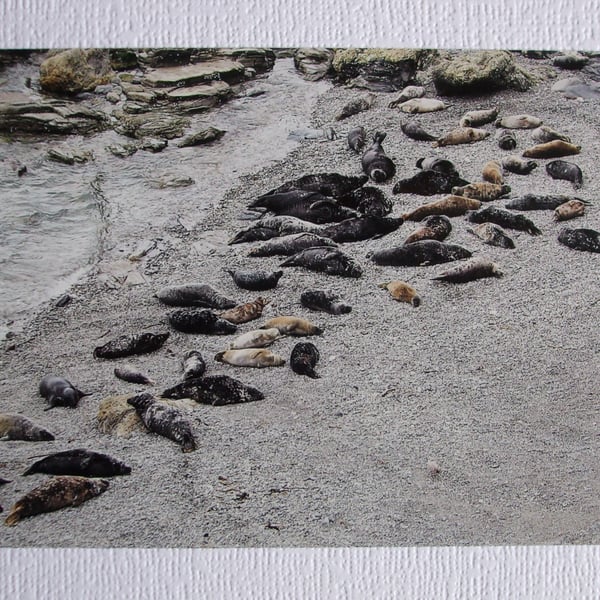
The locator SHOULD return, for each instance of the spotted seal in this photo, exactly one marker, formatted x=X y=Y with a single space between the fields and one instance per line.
x=324 y=300
x=493 y=235
x=482 y=190
x=368 y=200
x=291 y=244
x=561 y=169
x=17 y=427
x=356 y=106
x=132 y=375
x=451 y=206
x=469 y=271
x=253 y=234
x=58 y=391
x=194 y=320
x=193 y=365
x=421 y=253
x=537 y=202
x=256 y=281
x=362 y=228
x=515 y=164
x=414 y=131
x=56 y=493
x=328 y=184
x=375 y=163
x=250 y=357
x=435 y=227
x=569 y=210
x=402 y=292
x=290 y=325
x=506 y=139
x=475 y=118
x=128 y=345
x=357 y=138
x=587 y=240
x=80 y=461
x=194 y=294
x=259 y=338
x=544 y=134
x=245 y=312
x=461 y=135
x=304 y=358
x=330 y=261
x=428 y=183
x=408 y=93
x=504 y=218
x=215 y=390
x=164 y=420
x=553 y=149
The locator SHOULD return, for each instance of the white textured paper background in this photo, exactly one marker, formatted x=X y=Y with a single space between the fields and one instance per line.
x=413 y=573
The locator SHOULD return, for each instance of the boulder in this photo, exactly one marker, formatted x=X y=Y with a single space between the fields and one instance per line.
x=201 y=137
x=154 y=124
x=313 y=63
x=122 y=59
x=475 y=72
x=200 y=97
x=164 y=57
x=188 y=75
x=259 y=59
x=73 y=71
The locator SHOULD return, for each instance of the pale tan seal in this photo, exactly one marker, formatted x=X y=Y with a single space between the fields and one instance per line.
x=402 y=292
x=461 y=135
x=250 y=357
x=292 y=326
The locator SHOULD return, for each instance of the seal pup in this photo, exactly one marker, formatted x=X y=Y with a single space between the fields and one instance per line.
x=84 y=463
x=538 y=202
x=561 y=169
x=483 y=191
x=515 y=164
x=362 y=228
x=414 y=131
x=324 y=300
x=553 y=149
x=291 y=244
x=422 y=253
x=255 y=281
x=408 y=93
x=328 y=184
x=304 y=358
x=475 y=118
x=421 y=105
x=194 y=294
x=58 y=391
x=544 y=134
x=436 y=227
x=493 y=235
x=290 y=325
x=569 y=210
x=435 y=163
x=259 y=338
x=250 y=357
x=506 y=139
x=375 y=163
x=461 y=135
x=356 y=106
x=504 y=218
x=428 y=183
x=586 y=240
x=368 y=200
x=245 y=312
x=127 y=345
x=451 y=206
x=132 y=375
x=193 y=365
x=402 y=292
x=17 y=427
x=475 y=269
x=330 y=261
x=492 y=172
x=215 y=390
x=357 y=138
x=194 y=320
x=518 y=122
x=164 y=420
x=56 y=493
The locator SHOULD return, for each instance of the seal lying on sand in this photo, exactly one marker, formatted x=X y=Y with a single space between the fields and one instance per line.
x=245 y=312
x=132 y=375
x=537 y=202
x=330 y=261
x=304 y=358
x=291 y=244
x=482 y=190
x=506 y=139
x=561 y=169
x=569 y=210
x=553 y=149
x=250 y=357
x=415 y=132
x=60 y=392
x=469 y=271
x=362 y=228
x=375 y=163
x=451 y=206
x=256 y=281
x=475 y=118
x=193 y=365
x=79 y=462
x=194 y=320
x=258 y=338
x=424 y=252
x=290 y=325
x=368 y=200
x=356 y=106
x=504 y=218
x=427 y=183
x=493 y=235
x=435 y=163
x=586 y=240
x=356 y=139
x=194 y=294
x=216 y=390
x=402 y=292
x=324 y=300
x=436 y=227
x=17 y=427
x=328 y=184
x=461 y=135
x=515 y=164
x=127 y=345
x=544 y=134
x=518 y=122
x=492 y=172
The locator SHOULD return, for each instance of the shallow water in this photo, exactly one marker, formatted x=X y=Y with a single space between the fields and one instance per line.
x=53 y=219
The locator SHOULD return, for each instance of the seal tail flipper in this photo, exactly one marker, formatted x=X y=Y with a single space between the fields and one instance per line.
x=14 y=516
x=312 y=374
x=32 y=469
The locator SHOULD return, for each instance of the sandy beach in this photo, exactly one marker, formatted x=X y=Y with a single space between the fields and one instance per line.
x=495 y=380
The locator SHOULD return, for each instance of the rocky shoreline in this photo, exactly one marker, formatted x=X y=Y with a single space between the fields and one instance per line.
x=494 y=382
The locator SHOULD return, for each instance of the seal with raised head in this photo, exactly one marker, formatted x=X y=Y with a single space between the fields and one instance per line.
x=194 y=294
x=482 y=190
x=421 y=105
x=328 y=184
x=356 y=106
x=515 y=164
x=362 y=228
x=451 y=206
x=492 y=172
x=435 y=163
x=504 y=218
x=569 y=210
x=58 y=391
x=538 y=202
x=304 y=358
x=428 y=183
x=436 y=227
x=132 y=375
x=544 y=134
x=506 y=139
x=587 y=240
x=402 y=292
x=461 y=135
x=291 y=244
x=475 y=269
x=17 y=427
x=164 y=420
x=216 y=390
x=256 y=281
x=553 y=149
x=193 y=365
x=245 y=312
x=324 y=300
x=357 y=138
x=290 y=325
x=259 y=338
x=561 y=169
x=79 y=462
x=330 y=261
x=475 y=118
x=414 y=131
x=518 y=122
x=127 y=345
x=194 y=320
x=375 y=163
x=422 y=253
x=250 y=357
x=56 y=493
x=493 y=235
x=408 y=93
x=368 y=200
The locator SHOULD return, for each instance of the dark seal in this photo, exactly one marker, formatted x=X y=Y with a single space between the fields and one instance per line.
x=586 y=240
x=127 y=345
x=330 y=261
x=537 y=202
x=375 y=163
x=291 y=244
x=193 y=365
x=216 y=390
x=328 y=184
x=415 y=132
x=194 y=320
x=17 y=427
x=356 y=139
x=562 y=169
x=326 y=301
x=304 y=358
x=368 y=200
x=436 y=227
x=362 y=228
x=428 y=183
x=424 y=252
x=58 y=391
x=256 y=281
x=194 y=294
x=79 y=462
x=504 y=218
